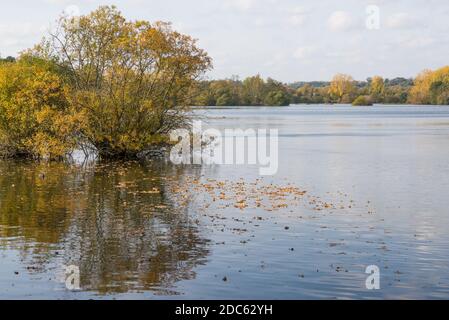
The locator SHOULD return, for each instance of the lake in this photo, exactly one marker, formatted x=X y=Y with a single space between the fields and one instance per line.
x=355 y=187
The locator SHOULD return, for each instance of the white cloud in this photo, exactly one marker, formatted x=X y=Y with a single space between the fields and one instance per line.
x=242 y=5
x=401 y=20
x=298 y=16
x=296 y=20
x=58 y=2
x=418 y=42
x=72 y=11
x=340 y=21
x=20 y=30
x=18 y=36
x=304 y=52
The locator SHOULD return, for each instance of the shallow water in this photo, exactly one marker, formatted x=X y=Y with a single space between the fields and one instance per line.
x=153 y=230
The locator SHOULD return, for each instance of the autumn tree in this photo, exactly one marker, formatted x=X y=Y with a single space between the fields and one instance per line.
x=306 y=93
x=36 y=119
x=431 y=87
x=226 y=92
x=277 y=98
x=377 y=88
x=253 y=91
x=129 y=79
x=342 y=88
x=202 y=94
x=276 y=93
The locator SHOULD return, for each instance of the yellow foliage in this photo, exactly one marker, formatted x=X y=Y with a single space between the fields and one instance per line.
x=377 y=87
x=342 y=88
x=431 y=87
x=35 y=117
x=130 y=80
x=103 y=82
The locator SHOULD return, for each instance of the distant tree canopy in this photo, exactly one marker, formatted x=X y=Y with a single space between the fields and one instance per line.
x=431 y=87
x=252 y=91
x=127 y=84
x=7 y=59
x=255 y=91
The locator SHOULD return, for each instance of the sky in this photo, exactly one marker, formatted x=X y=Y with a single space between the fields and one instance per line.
x=288 y=40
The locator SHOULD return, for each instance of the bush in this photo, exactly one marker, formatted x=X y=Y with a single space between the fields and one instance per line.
x=362 y=101
x=35 y=115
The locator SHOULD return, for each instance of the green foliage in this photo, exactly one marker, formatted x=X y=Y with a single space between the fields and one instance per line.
x=362 y=101
x=396 y=94
x=276 y=98
x=394 y=91
x=253 y=91
x=8 y=59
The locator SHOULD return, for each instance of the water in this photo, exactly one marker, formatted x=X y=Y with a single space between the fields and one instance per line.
x=153 y=230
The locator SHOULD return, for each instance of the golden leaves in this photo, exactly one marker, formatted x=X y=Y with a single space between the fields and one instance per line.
x=35 y=119
x=342 y=85
x=431 y=87
x=118 y=85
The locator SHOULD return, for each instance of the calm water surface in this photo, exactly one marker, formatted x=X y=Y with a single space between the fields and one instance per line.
x=135 y=233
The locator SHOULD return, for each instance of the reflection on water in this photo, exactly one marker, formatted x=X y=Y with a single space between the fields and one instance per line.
x=117 y=222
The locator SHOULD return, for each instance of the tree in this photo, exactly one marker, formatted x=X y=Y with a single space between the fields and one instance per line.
x=130 y=80
x=419 y=94
x=396 y=94
x=276 y=94
x=36 y=119
x=253 y=91
x=342 y=88
x=377 y=88
x=305 y=94
x=277 y=98
x=362 y=101
x=225 y=92
x=202 y=94
x=431 y=87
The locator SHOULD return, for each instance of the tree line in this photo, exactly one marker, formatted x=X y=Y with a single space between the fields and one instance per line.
x=429 y=87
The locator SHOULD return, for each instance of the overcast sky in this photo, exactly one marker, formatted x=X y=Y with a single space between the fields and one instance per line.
x=288 y=40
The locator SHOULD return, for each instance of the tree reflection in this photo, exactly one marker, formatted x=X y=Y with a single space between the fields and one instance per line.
x=118 y=222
